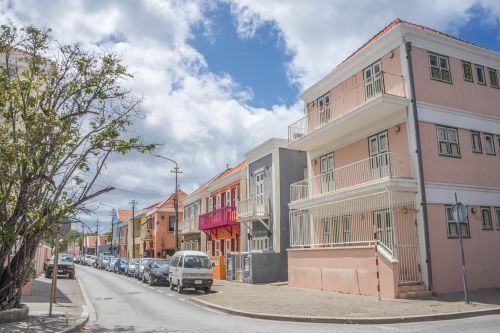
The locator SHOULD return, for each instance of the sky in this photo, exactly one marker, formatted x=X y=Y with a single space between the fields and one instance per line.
x=220 y=77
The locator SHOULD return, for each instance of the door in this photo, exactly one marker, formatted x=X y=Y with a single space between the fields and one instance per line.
x=384 y=228
x=324 y=109
x=259 y=193
x=327 y=178
x=373 y=80
x=379 y=155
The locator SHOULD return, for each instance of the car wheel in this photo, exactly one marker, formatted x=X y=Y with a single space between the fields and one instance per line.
x=72 y=276
x=179 y=288
x=206 y=290
x=47 y=275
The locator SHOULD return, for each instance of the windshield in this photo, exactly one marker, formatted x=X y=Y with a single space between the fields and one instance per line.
x=196 y=262
x=161 y=263
x=64 y=257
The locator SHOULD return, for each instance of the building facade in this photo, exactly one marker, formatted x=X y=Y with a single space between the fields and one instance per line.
x=391 y=135
x=272 y=168
x=220 y=223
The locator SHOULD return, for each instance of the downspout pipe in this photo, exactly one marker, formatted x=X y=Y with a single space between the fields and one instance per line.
x=420 y=164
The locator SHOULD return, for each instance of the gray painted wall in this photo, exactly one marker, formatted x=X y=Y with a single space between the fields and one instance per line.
x=271 y=267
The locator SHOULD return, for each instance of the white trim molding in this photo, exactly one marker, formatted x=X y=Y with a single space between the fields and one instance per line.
x=444 y=193
x=442 y=115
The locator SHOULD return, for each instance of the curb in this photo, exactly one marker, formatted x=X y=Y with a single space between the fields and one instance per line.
x=348 y=320
x=86 y=312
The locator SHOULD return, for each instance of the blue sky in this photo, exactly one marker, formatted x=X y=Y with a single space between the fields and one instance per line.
x=259 y=63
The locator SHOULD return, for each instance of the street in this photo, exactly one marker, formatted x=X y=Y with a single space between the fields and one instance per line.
x=127 y=305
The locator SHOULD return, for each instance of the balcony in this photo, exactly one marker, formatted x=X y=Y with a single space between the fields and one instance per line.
x=359 y=106
x=253 y=208
x=376 y=169
x=189 y=225
x=147 y=234
x=222 y=217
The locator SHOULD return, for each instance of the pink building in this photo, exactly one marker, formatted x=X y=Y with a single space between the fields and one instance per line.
x=392 y=133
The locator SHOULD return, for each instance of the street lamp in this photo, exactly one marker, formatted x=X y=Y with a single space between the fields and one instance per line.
x=176 y=199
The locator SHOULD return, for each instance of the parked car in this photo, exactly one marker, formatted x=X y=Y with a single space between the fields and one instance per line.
x=90 y=260
x=140 y=267
x=102 y=262
x=120 y=265
x=156 y=271
x=191 y=269
x=130 y=268
x=111 y=264
x=65 y=266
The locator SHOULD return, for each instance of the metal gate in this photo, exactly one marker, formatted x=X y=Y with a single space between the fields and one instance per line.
x=406 y=250
x=238 y=266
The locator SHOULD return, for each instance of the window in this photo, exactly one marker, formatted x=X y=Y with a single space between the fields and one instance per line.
x=489 y=144
x=373 y=77
x=324 y=108
x=209 y=248
x=346 y=224
x=467 y=69
x=476 y=142
x=217 y=247
x=492 y=73
x=452 y=226
x=171 y=223
x=486 y=218
x=448 y=141
x=480 y=74
x=439 y=67
x=228 y=198
x=260 y=243
x=497 y=213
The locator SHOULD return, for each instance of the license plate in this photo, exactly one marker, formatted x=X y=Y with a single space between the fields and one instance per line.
x=198 y=282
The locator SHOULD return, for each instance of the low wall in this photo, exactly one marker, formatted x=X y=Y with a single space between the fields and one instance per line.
x=348 y=270
x=268 y=267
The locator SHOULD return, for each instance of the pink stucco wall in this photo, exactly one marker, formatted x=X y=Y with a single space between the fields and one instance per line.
x=470 y=169
x=481 y=254
x=347 y=270
x=357 y=151
x=461 y=94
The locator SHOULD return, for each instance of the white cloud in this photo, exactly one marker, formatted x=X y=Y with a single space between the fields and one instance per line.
x=320 y=34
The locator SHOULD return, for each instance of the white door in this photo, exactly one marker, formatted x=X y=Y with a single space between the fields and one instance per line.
x=373 y=80
x=379 y=155
x=326 y=170
x=384 y=228
x=259 y=193
x=324 y=109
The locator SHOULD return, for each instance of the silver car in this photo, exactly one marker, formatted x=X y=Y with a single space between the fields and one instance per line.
x=140 y=267
x=131 y=266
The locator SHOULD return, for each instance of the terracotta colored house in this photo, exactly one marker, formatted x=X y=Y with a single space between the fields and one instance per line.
x=220 y=223
x=123 y=239
x=391 y=134
x=89 y=243
x=119 y=216
x=158 y=227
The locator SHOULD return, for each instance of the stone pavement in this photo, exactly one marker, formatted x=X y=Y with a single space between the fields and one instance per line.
x=273 y=301
x=67 y=310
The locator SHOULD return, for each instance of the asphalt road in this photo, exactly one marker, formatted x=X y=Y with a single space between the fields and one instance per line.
x=126 y=305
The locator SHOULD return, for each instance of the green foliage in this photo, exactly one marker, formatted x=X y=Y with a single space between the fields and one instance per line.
x=63 y=113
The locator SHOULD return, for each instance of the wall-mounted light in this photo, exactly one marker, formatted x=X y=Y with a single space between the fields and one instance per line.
x=397 y=128
x=315 y=161
x=473 y=210
x=391 y=54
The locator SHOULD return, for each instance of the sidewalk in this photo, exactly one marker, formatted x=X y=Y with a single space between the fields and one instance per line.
x=67 y=310
x=285 y=303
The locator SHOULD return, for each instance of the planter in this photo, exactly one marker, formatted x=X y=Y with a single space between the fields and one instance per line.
x=13 y=315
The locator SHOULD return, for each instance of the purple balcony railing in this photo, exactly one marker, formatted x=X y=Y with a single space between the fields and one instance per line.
x=225 y=216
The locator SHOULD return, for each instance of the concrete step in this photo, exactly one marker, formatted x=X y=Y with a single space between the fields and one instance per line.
x=411 y=287
x=415 y=294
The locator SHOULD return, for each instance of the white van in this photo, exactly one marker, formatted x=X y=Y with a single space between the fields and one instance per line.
x=191 y=269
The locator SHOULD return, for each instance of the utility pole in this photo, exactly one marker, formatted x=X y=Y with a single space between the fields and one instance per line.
x=133 y=203
x=97 y=238
x=176 y=206
x=112 y=230
x=54 y=271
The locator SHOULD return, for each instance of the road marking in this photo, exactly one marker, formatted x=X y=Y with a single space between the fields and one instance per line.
x=181 y=299
x=170 y=295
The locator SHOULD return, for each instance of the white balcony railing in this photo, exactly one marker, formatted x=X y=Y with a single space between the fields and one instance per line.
x=386 y=165
x=255 y=206
x=189 y=225
x=386 y=218
x=385 y=83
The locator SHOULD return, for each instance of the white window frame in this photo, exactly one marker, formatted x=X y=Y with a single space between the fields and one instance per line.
x=209 y=247
x=228 y=198
x=470 y=69
x=497 y=215
x=491 y=149
x=480 y=69
x=446 y=140
x=478 y=136
x=260 y=244
x=440 y=67
x=218 y=201
x=449 y=221
x=494 y=71
x=324 y=111
x=217 y=247
x=227 y=245
x=487 y=225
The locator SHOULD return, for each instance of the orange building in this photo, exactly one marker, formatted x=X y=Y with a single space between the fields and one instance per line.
x=220 y=223
x=158 y=228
